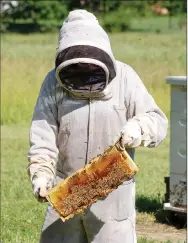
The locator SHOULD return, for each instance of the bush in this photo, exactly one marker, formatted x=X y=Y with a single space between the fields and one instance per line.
x=47 y=16
x=35 y=16
x=116 y=21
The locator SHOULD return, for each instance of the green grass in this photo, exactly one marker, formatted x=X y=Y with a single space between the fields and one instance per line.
x=159 y=24
x=27 y=58
x=22 y=216
x=25 y=61
x=145 y=240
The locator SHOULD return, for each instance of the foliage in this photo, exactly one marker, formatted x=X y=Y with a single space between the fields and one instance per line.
x=117 y=21
x=32 y=15
x=175 y=6
x=47 y=16
x=117 y=15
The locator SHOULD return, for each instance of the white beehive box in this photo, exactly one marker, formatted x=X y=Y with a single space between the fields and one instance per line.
x=178 y=144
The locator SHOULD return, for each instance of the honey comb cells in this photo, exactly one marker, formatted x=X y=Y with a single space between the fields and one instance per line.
x=96 y=180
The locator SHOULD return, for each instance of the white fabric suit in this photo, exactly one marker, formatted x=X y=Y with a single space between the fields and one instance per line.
x=68 y=130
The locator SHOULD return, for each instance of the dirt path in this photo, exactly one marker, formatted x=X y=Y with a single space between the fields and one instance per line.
x=161 y=232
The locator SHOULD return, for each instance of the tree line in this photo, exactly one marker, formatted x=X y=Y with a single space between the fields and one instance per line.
x=47 y=16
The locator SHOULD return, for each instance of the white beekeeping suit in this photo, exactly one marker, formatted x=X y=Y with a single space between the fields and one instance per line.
x=85 y=104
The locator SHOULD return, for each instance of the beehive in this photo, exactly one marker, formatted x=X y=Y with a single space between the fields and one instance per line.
x=177 y=189
x=96 y=180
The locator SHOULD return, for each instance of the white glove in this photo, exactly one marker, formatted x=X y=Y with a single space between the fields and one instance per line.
x=131 y=135
x=41 y=185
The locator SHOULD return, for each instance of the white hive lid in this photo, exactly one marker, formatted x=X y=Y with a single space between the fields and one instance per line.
x=176 y=80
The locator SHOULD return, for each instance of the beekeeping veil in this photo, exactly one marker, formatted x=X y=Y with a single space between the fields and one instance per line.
x=84 y=62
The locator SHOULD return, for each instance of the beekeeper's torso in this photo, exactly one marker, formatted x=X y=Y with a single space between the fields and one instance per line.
x=86 y=100
x=93 y=111
x=88 y=126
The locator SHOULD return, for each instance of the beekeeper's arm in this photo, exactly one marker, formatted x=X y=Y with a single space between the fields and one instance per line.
x=43 y=132
x=147 y=124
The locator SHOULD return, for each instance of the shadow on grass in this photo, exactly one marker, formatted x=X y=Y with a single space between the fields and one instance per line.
x=154 y=205
x=147 y=204
x=146 y=30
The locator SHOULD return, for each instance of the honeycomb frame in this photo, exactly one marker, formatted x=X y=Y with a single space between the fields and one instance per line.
x=96 y=180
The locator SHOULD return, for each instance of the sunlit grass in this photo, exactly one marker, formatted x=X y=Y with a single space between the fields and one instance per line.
x=22 y=216
x=27 y=59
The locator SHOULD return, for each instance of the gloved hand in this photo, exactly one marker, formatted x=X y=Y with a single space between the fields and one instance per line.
x=41 y=185
x=131 y=135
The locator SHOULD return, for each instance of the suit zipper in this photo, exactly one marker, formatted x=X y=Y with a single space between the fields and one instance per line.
x=88 y=129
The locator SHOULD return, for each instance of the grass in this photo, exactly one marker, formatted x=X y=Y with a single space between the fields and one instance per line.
x=159 y=24
x=22 y=216
x=145 y=240
x=27 y=58
x=25 y=61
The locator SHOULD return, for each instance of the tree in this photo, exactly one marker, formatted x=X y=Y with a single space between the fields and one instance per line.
x=33 y=15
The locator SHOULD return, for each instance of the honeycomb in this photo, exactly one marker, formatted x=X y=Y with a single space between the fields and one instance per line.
x=96 y=180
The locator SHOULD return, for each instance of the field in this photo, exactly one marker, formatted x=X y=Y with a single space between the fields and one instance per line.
x=25 y=61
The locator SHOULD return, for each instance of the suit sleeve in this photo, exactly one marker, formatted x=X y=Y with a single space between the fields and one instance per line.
x=143 y=109
x=43 y=150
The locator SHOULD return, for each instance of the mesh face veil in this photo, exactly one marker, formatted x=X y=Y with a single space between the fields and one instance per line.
x=84 y=63
x=83 y=77
x=84 y=69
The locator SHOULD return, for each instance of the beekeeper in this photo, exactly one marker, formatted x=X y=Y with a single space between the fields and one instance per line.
x=86 y=103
